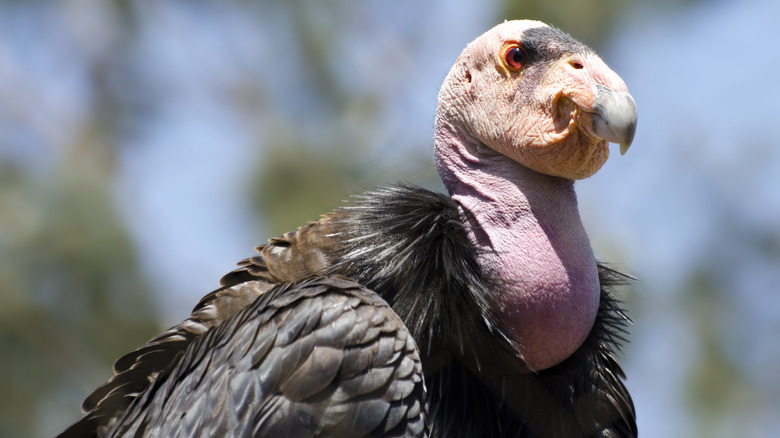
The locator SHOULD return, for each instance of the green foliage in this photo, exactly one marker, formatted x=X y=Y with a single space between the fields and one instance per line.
x=297 y=183
x=715 y=386
x=71 y=295
x=589 y=21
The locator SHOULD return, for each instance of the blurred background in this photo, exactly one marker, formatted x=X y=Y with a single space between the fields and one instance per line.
x=147 y=146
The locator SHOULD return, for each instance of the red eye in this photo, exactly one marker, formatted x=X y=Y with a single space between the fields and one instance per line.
x=515 y=57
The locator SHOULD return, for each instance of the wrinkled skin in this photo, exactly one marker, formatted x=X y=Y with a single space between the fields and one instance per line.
x=510 y=139
x=540 y=116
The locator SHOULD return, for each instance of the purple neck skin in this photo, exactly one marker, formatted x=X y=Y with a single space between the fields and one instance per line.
x=529 y=229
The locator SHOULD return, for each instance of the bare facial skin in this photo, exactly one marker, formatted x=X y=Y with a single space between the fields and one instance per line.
x=540 y=115
x=524 y=111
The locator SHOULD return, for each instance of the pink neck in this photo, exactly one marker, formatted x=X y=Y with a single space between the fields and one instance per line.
x=529 y=229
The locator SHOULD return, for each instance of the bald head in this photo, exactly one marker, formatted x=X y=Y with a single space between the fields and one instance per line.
x=536 y=95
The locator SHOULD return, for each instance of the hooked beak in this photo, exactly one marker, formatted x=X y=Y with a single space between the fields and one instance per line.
x=614 y=116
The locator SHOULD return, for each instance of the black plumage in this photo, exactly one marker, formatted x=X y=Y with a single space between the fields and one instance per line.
x=389 y=243
x=325 y=356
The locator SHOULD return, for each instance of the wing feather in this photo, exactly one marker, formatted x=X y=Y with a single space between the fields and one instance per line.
x=298 y=388
x=408 y=246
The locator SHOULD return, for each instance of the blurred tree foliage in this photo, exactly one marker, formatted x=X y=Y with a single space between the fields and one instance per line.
x=72 y=295
x=72 y=298
x=590 y=21
x=721 y=383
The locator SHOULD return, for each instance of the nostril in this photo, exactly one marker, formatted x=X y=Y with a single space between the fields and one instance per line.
x=576 y=64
